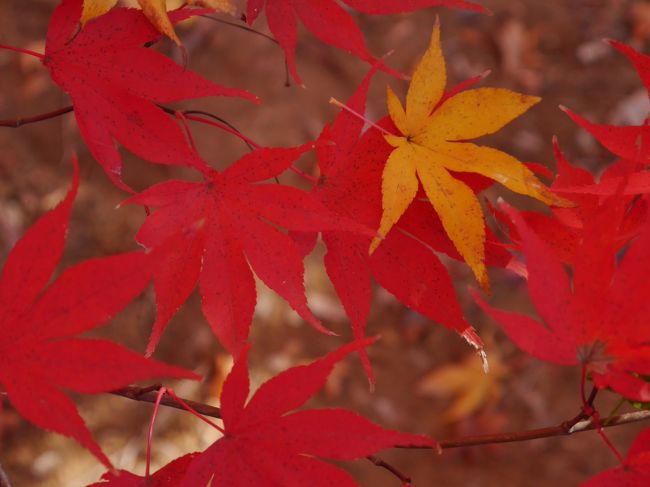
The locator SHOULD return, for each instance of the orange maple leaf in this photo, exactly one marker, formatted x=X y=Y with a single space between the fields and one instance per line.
x=433 y=142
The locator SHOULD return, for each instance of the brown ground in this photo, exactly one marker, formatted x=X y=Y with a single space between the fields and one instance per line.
x=550 y=48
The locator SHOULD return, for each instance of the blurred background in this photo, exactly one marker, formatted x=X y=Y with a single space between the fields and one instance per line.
x=428 y=380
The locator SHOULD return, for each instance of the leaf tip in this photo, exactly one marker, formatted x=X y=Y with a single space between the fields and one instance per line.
x=374 y=244
x=470 y=336
x=483 y=279
x=484 y=361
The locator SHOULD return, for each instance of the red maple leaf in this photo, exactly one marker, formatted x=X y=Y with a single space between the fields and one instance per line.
x=265 y=443
x=168 y=476
x=405 y=263
x=40 y=354
x=635 y=472
x=564 y=229
x=211 y=231
x=115 y=84
x=598 y=318
x=328 y=21
x=631 y=142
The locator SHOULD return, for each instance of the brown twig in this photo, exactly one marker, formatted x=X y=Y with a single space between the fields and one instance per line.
x=242 y=27
x=18 y=122
x=227 y=126
x=564 y=429
x=223 y=121
x=405 y=479
x=578 y=424
x=149 y=394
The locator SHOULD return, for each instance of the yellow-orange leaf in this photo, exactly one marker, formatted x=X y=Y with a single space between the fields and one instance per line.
x=434 y=142
x=95 y=8
x=427 y=85
x=155 y=10
x=399 y=187
x=451 y=198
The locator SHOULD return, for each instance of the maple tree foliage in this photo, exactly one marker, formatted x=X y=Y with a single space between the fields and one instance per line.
x=435 y=131
x=39 y=352
x=350 y=185
x=154 y=10
x=331 y=23
x=116 y=84
x=595 y=319
x=210 y=232
x=167 y=476
x=565 y=228
x=389 y=201
x=630 y=142
x=265 y=443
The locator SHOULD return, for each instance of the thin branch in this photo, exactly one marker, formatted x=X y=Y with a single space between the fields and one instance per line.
x=578 y=424
x=227 y=127
x=149 y=394
x=249 y=143
x=240 y=26
x=4 y=480
x=18 y=122
x=625 y=418
x=189 y=115
x=405 y=479
x=560 y=430
x=287 y=81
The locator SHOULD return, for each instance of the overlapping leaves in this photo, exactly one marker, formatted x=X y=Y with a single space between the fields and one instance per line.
x=40 y=353
x=266 y=442
x=595 y=319
x=330 y=22
x=154 y=10
x=435 y=131
x=116 y=84
x=406 y=263
x=219 y=231
x=211 y=231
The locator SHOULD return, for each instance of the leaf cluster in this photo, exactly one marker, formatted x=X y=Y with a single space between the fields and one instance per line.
x=388 y=202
